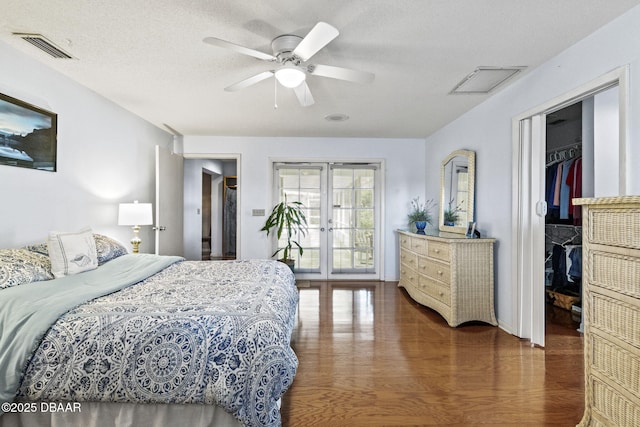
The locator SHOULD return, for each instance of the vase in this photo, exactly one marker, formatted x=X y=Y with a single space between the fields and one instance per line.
x=421 y=225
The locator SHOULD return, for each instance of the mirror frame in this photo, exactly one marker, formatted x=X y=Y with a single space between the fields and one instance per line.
x=471 y=182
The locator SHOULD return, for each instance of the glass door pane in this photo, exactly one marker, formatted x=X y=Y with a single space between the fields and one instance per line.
x=304 y=184
x=352 y=220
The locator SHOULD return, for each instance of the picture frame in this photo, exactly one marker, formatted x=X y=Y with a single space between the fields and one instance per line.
x=28 y=135
x=471 y=228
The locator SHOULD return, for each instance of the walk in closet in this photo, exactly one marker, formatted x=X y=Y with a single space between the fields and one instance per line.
x=563 y=221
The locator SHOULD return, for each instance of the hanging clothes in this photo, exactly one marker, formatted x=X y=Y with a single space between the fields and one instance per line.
x=558 y=185
x=550 y=181
x=565 y=190
x=574 y=262
x=559 y=264
x=563 y=183
x=574 y=181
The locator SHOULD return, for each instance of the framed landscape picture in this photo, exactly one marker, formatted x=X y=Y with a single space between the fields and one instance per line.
x=28 y=135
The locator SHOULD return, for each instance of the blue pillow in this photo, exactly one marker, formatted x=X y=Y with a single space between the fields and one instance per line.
x=108 y=248
x=20 y=266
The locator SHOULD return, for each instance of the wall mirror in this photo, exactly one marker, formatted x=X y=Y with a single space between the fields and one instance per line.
x=457 y=191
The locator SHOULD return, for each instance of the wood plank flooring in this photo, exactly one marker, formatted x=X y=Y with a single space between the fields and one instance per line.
x=370 y=356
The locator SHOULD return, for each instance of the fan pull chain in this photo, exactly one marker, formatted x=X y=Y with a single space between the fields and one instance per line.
x=275 y=94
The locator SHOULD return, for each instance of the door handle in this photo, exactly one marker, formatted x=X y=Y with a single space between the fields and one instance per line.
x=159 y=228
x=321 y=228
x=541 y=208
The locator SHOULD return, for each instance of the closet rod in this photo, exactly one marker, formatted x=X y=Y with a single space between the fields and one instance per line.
x=575 y=145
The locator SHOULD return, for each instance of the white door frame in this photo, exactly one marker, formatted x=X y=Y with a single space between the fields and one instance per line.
x=238 y=158
x=380 y=188
x=528 y=164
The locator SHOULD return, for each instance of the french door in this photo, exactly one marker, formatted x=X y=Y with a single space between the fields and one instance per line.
x=341 y=205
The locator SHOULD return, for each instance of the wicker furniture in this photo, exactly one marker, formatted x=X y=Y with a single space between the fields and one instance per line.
x=449 y=273
x=611 y=310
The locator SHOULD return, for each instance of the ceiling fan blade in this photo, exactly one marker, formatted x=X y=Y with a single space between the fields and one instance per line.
x=240 y=49
x=341 y=73
x=319 y=36
x=304 y=94
x=250 y=81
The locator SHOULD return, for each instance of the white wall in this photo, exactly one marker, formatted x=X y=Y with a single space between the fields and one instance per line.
x=487 y=130
x=105 y=156
x=404 y=178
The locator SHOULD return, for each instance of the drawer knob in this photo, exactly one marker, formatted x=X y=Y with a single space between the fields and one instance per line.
x=436 y=251
x=440 y=272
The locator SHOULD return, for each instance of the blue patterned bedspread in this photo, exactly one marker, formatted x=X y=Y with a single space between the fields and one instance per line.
x=212 y=332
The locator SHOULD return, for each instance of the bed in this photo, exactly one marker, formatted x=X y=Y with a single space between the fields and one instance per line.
x=140 y=339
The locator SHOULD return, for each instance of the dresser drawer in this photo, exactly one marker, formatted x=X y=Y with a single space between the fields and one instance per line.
x=615 y=227
x=409 y=259
x=414 y=244
x=439 y=251
x=615 y=317
x=616 y=272
x=435 y=290
x=405 y=241
x=611 y=406
x=625 y=369
x=419 y=246
x=435 y=270
x=409 y=276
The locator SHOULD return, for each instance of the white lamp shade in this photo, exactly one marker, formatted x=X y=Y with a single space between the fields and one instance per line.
x=135 y=214
x=290 y=76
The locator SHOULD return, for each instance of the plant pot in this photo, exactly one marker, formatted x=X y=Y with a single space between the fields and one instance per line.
x=290 y=263
x=421 y=225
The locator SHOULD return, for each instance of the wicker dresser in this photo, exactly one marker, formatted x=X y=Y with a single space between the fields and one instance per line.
x=611 y=309
x=449 y=273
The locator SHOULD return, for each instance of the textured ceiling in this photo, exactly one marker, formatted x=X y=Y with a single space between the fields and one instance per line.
x=148 y=56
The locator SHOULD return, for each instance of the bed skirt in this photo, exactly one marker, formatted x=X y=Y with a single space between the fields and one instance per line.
x=106 y=414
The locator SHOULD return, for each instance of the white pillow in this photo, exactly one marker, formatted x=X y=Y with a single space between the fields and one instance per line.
x=72 y=253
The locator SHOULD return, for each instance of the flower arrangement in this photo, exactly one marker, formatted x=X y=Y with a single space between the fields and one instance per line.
x=420 y=212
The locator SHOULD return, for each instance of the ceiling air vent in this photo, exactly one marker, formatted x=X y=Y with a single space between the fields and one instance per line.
x=485 y=79
x=39 y=41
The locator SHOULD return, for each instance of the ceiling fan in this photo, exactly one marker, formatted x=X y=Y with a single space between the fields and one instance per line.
x=291 y=53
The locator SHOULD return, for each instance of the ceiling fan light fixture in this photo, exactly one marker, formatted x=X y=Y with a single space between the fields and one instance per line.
x=290 y=76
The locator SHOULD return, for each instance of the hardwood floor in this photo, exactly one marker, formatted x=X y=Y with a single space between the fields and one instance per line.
x=370 y=356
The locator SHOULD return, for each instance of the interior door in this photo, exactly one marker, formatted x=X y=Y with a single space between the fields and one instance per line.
x=341 y=205
x=528 y=172
x=169 y=202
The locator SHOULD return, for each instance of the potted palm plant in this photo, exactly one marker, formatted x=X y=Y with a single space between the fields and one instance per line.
x=288 y=218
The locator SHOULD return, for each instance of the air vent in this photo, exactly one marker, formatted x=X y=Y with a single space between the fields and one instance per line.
x=485 y=79
x=337 y=117
x=44 y=45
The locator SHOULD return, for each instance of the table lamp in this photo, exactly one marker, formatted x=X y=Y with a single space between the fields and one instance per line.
x=135 y=214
